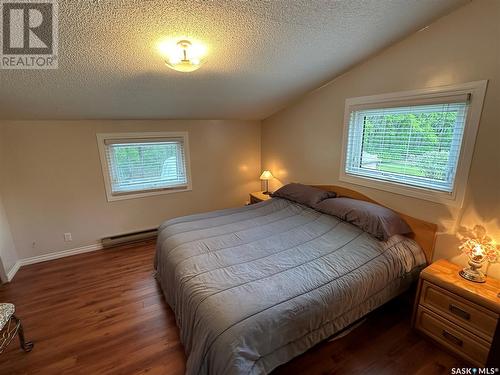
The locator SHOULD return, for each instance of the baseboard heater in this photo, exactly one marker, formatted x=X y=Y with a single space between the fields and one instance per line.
x=126 y=238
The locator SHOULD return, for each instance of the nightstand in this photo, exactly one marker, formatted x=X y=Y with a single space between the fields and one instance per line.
x=458 y=314
x=258 y=196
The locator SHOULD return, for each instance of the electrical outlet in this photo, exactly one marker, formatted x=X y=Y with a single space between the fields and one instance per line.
x=67 y=237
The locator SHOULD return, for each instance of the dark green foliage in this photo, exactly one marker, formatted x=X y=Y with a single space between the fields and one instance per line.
x=142 y=160
x=416 y=144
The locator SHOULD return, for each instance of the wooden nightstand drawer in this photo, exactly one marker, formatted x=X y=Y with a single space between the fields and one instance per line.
x=464 y=313
x=459 y=314
x=452 y=336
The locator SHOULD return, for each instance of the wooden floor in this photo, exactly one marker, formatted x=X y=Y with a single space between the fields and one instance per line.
x=103 y=313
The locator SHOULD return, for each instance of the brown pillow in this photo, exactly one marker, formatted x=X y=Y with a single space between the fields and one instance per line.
x=379 y=221
x=303 y=194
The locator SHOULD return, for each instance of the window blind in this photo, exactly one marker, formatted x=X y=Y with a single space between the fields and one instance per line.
x=417 y=145
x=137 y=165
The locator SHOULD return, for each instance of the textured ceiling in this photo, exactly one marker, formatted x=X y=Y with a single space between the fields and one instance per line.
x=261 y=55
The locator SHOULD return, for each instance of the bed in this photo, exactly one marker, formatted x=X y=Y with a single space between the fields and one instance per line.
x=255 y=286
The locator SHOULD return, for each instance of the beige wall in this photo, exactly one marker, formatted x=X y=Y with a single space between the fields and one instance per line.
x=52 y=181
x=303 y=141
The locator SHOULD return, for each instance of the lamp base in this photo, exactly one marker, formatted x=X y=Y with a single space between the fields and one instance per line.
x=266 y=192
x=473 y=275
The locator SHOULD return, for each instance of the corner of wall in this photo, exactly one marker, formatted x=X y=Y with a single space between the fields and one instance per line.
x=9 y=260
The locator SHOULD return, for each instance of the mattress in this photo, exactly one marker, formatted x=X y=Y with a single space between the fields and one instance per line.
x=255 y=286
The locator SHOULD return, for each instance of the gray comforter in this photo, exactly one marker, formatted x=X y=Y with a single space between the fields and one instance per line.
x=255 y=286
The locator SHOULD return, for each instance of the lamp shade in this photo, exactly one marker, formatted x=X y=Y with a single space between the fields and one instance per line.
x=266 y=175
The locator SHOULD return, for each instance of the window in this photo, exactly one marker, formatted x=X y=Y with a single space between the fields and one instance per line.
x=416 y=143
x=141 y=164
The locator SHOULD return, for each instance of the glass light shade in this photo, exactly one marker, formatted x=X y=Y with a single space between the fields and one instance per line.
x=184 y=66
x=477 y=256
x=266 y=175
x=479 y=248
x=183 y=57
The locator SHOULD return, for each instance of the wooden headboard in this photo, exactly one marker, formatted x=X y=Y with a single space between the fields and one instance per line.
x=424 y=233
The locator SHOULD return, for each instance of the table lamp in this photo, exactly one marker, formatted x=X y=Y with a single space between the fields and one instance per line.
x=479 y=248
x=266 y=176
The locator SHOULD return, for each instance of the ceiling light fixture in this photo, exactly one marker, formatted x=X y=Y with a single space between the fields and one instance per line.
x=183 y=56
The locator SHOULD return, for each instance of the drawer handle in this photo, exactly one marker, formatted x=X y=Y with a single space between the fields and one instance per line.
x=459 y=312
x=455 y=340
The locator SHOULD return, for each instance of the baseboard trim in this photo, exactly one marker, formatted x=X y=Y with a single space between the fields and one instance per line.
x=61 y=254
x=52 y=256
x=13 y=271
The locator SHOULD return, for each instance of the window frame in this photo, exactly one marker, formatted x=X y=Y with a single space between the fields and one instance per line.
x=101 y=139
x=476 y=89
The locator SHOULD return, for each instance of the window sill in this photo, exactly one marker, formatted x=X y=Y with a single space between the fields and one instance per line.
x=440 y=197
x=144 y=194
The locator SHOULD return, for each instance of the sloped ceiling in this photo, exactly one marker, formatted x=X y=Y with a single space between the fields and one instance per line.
x=262 y=54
